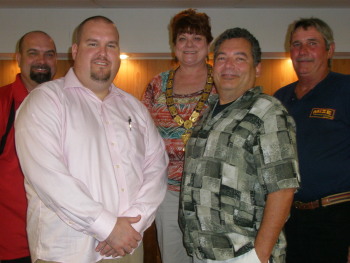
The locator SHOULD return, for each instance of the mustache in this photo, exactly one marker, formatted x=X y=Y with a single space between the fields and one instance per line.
x=234 y=74
x=304 y=59
x=41 y=67
x=101 y=59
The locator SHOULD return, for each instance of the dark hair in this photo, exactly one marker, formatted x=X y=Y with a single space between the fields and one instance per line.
x=239 y=33
x=80 y=28
x=318 y=24
x=21 y=40
x=192 y=22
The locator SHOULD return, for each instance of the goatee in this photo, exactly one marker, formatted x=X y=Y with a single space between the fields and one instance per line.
x=100 y=77
x=40 y=77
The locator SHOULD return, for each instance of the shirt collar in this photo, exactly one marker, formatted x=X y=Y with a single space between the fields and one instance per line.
x=71 y=81
x=19 y=90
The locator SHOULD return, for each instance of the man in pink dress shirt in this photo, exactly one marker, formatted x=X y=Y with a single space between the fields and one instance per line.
x=94 y=163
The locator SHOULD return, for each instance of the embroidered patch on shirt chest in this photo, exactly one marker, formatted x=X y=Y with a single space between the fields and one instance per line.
x=322 y=113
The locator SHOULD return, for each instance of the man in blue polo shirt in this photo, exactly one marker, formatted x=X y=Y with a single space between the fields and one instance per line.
x=319 y=227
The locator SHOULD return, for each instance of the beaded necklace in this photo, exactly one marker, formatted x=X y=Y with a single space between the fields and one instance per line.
x=188 y=124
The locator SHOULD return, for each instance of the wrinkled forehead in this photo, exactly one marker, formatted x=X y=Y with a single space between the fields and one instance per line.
x=306 y=32
x=37 y=40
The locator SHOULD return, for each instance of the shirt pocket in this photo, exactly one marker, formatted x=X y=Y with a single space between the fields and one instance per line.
x=135 y=139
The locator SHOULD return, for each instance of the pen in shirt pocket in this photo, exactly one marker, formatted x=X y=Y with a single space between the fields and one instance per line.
x=129 y=121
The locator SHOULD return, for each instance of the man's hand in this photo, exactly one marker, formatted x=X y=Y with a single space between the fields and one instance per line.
x=123 y=238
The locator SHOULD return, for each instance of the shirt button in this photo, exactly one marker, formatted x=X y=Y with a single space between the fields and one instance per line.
x=116 y=166
x=122 y=189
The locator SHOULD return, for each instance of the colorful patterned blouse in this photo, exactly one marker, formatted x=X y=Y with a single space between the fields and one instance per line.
x=155 y=100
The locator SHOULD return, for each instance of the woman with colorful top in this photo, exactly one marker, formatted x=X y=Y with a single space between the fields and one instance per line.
x=176 y=99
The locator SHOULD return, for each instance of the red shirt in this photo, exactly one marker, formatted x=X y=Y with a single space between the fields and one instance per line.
x=13 y=201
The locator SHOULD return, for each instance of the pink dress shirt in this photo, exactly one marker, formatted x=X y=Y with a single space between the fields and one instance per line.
x=86 y=162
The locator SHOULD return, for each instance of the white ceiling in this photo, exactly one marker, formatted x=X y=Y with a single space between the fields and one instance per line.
x=174 y=3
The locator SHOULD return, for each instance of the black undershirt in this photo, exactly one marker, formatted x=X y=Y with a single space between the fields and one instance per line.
x=218 y=108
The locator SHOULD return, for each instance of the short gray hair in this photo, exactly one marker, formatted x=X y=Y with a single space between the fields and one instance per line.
x=319 y=25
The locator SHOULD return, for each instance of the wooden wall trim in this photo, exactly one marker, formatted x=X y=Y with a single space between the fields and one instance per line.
x=12 y=56
x=135 y=74
x=138 y=56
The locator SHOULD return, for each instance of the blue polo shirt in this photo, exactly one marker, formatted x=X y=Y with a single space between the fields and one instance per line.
x=322 y=117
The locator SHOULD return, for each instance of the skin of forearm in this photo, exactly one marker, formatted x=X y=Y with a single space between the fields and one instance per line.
x=276 y=212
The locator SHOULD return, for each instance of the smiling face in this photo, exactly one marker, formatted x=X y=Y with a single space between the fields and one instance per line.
x=191 y=49
x=309 y=53
x=96 y=56
x=37 y=59
x=234 y=71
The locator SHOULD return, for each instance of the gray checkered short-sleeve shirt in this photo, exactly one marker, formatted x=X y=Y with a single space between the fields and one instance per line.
x=233 y=160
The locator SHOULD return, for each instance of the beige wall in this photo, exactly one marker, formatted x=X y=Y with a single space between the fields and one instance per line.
x=146 y=30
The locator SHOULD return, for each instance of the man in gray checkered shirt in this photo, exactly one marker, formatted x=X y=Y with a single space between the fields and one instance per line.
x=241 y=167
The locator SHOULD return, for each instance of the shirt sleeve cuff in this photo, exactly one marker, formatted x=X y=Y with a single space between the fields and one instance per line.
x=143 y=224
x=103 y=225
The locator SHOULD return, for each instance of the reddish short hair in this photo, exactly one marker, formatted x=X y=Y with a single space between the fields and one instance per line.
x=190 y=21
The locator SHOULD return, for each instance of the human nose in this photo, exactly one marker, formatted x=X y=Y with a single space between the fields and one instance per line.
x=103 y=50
x=230 y=63
x=303 y=49
x=40 y=58
x=189 y=43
